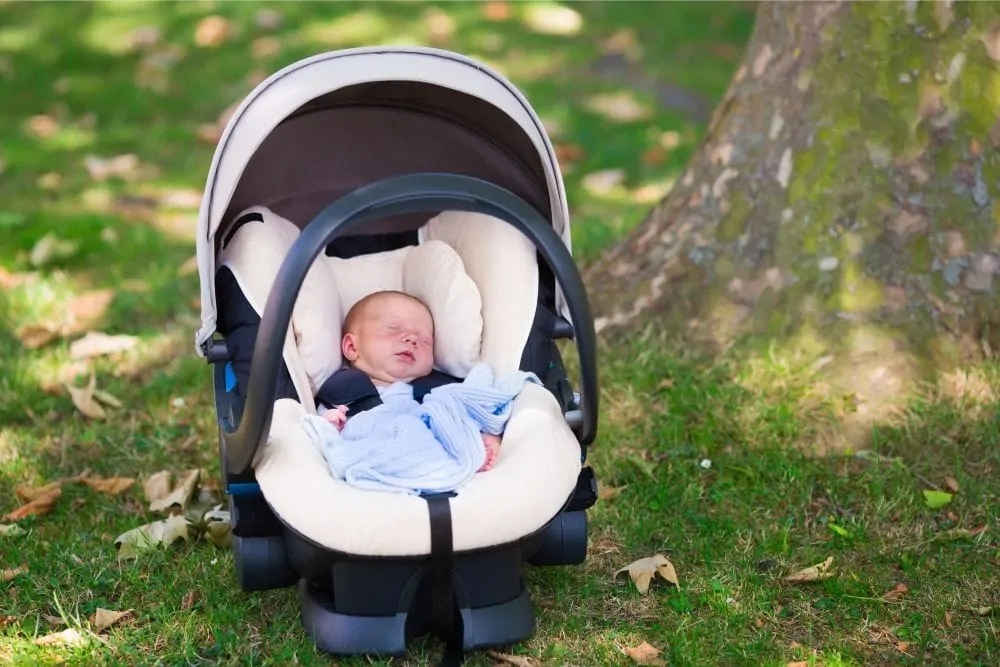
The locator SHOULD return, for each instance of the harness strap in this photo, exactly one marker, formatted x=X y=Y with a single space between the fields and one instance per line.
x=446 y=621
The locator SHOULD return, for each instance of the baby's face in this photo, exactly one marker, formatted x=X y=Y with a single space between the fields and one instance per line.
x=394 y=341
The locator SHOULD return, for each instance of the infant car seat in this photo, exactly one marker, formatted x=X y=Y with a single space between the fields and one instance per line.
x=420 y=170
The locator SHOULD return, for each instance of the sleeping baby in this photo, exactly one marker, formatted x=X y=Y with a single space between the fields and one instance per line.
x=388 y=336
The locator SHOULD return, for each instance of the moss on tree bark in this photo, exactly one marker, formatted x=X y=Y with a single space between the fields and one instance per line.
x=843 y=204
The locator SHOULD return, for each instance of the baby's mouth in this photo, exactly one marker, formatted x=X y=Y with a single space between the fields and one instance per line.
x=406 y=355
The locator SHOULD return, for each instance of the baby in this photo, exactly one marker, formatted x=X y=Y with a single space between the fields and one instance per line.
x=389 y=336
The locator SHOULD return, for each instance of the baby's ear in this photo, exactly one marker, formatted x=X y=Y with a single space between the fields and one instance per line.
x=349 y=348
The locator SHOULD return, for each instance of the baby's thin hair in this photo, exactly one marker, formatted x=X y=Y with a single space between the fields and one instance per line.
x=357 y=310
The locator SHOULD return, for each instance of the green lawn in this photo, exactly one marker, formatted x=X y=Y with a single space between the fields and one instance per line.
x=709 y=459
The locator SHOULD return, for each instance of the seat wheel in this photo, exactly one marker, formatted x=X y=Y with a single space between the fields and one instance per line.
x=262 y=563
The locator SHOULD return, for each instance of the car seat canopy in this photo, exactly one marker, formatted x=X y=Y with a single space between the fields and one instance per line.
x=325 y=126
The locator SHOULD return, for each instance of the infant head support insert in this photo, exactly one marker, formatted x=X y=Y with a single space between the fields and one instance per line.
x=421 y=171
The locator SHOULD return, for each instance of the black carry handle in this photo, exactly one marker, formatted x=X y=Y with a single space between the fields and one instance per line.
x=414 y=193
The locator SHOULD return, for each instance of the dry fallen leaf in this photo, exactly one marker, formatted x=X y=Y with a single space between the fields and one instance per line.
x=6 y=619
x=951 y=484
x=609 y=492
x=516 y=660
x=552 y=19
x=947 y=618
x=103 y=619
x=980 y=611
x=90 y=307
x=96 y=344
x=67 y=637
x=797 y=663
x=50 y=248
x=11 y=530
x=165 y=531
x=189 y=600
x=644 y=570
x=895 y=593
x=37 y=507
x=496 y=10
x=34 y=336
x=83 y=399
x=28 y=493
x=817 y=572
x=157 y=486
x=644 y=654
x=110 y=485
x=212 y=31
x=218 y=528
x=179 y=496
x=268 y=19
x=8 y=574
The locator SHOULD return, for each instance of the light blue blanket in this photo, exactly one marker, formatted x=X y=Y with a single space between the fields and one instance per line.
x=414 y=448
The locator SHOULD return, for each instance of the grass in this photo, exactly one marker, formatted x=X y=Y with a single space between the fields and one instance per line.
x=710 y=457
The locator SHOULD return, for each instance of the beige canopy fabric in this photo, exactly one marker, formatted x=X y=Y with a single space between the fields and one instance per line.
x=327 y=125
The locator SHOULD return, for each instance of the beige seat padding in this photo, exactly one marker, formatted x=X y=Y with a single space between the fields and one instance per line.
x=539 y=461
x=534 y=475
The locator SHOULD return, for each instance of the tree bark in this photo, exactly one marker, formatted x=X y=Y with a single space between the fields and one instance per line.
x=842 y=205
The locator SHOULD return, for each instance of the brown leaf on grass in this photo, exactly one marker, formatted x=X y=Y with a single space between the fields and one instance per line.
x=34 y=336
x=88 y=308
x=644 y=570
x=83 y=399
x=265 y=47
x=817 y=572
x=622 y=42
x=189 y=599
x=797 y=663
x=218 y=528
x=268 y=19
x=951 y=484
x=609 y=492
x=67 y=637
x=50 y=248
x=38 y=507
x=102 y=619
x=516 y=660
x=896 y=593
x=496 y=10
x=654 y=156
x=11 y=530
x=97 y=344
x=179 y=496
x=6 y=620
x=28 y=493
x=166 y=531
x=8 y=574
x=947 y=619
x=991 y=40
x=902 y=647
x=980 y=611
x=157 y=486
x=212 y=31
x=126 y=167
x=43 y=126
x=645 y=654
x=110 y=485
x=567 y=153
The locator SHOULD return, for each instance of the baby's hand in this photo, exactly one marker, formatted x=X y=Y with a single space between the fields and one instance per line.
x=337 y=416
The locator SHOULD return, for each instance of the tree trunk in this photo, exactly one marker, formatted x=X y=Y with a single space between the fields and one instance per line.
x=843 y=203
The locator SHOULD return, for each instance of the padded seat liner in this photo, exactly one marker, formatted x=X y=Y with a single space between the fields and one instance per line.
x=534 y=476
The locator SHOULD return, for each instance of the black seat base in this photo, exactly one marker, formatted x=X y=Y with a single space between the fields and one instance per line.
x=345 y=634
